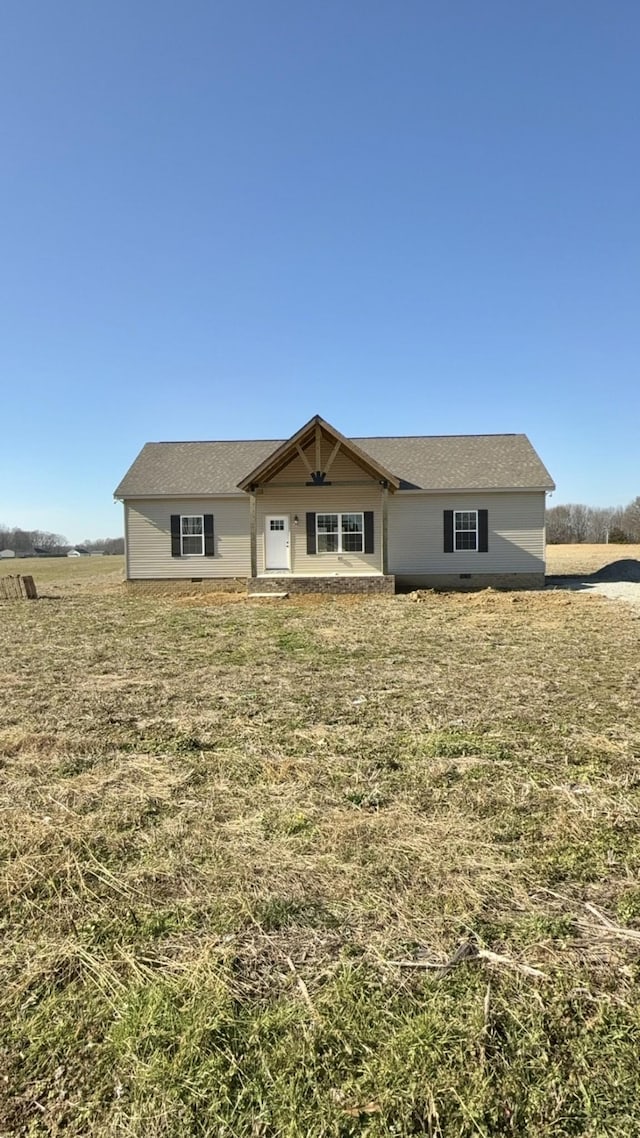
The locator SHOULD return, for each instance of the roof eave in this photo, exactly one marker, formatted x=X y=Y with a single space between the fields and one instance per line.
x=179 y=494
x=126 y=496
x=477 y=489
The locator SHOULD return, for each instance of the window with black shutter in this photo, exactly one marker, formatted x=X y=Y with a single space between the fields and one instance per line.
x=466 y=531
x=192 y=535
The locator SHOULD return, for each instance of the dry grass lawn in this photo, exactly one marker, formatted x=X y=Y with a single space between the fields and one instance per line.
x=68 y=574
x=224 y=822
x=586 y=558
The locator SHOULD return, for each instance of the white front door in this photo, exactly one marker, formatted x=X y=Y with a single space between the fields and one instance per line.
x=276 y=540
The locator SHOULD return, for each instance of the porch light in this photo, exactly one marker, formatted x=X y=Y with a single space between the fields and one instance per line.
x=295 y=519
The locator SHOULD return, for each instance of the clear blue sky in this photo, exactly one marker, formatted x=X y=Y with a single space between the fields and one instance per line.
x=221 y=216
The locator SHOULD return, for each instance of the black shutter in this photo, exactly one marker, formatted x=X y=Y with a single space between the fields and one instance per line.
x=175 y=535
x=311 y=533
x=368 y=531
x=209 y=544
x=448 y=531
x=483 y=531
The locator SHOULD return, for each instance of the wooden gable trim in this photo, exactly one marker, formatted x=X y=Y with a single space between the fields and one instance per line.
x=313 y=432
x=305 y=460
x=332 y=456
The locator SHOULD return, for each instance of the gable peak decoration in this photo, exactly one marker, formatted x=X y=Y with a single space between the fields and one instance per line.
x=313 y=434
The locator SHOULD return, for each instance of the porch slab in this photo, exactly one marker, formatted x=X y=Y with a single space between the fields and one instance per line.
x=372 y=584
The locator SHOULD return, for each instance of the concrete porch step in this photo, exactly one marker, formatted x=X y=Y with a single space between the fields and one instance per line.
x=267 y=596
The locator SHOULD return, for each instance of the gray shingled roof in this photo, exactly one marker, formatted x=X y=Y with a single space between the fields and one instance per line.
x=430 y=462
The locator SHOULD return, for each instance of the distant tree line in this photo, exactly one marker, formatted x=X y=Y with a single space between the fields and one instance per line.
x=23 y=541
x=103 y=545
x=576 y=523
x=36 y=542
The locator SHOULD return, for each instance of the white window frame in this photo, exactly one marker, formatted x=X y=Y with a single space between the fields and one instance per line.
x=339 y=514
x=192 y=517
x=465 y=549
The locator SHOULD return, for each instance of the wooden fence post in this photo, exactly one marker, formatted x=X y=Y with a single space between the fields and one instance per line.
x=30 y=590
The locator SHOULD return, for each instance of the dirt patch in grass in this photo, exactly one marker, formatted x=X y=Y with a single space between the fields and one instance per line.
x=223 y=822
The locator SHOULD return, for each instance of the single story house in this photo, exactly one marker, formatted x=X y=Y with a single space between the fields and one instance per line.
x=322 y=511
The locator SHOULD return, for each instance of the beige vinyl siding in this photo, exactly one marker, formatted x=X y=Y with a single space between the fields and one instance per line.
x=148 y=529
x=516 y=533
x=321 y=500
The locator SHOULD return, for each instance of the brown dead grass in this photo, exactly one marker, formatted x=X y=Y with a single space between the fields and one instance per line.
x=576 y=559
x=221 y=821
x=67 y=575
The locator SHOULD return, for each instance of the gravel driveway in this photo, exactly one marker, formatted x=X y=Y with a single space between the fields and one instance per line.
x=628 y=591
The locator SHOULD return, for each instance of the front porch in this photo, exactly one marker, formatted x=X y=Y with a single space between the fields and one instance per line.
x=369 y=583
x=318 y=516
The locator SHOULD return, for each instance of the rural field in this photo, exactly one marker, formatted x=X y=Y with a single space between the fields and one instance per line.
x=586 y=558
x=320 y=868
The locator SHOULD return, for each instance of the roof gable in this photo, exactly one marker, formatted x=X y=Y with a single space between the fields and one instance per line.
x=314 y=433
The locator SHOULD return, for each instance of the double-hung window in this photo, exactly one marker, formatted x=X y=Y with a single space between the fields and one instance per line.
x=465 y=530
x=192 y=534
x=340 y=533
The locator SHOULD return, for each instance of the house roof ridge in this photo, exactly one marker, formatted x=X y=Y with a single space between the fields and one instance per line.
x=199 y=442
x=352 y=438
x=474 y=435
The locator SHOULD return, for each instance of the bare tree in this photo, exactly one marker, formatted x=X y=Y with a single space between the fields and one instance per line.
x=630 y=520
x=558 y=526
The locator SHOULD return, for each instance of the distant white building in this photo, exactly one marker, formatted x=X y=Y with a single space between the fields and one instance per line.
x=7 y=553
x=74 y=553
